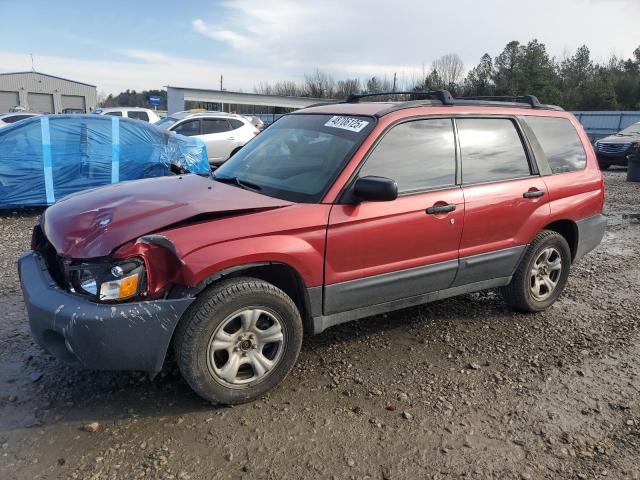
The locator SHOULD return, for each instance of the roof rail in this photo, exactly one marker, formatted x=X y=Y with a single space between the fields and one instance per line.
x=443 y=95
x=530 y=99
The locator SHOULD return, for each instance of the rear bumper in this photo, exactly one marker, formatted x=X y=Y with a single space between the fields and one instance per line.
x=590 y=234
x=129 y=336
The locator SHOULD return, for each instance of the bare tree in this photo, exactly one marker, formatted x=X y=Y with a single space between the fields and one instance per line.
x=449 y=69
x=344 y=88
x=319 y=85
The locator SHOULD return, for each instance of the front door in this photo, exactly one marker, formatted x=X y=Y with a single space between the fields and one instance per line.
x=379 y=252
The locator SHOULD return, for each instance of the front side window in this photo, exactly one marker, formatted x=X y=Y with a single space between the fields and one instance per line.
x=298 y=157
x=215 y=125
x=138 y=115
x=418 y=155
x=188 y=128
x=560 y=143
x=491 y=150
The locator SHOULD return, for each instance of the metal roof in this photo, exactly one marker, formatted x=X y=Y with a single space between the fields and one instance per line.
x=47 y=75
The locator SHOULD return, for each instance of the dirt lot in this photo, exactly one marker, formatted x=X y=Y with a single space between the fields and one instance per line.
x=461 y=388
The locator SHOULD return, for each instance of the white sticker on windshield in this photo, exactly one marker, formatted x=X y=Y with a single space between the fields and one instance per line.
x=347 y=123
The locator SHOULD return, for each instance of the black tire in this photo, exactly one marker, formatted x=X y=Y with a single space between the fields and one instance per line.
x=604 y=165
x=216 y=305
x=518 y=294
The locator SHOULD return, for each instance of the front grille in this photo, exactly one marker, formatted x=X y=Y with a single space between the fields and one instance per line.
x=613 y=148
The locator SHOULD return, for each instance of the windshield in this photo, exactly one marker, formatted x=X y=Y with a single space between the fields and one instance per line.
x=298 y=157
x=166 y=122
x=632 y=130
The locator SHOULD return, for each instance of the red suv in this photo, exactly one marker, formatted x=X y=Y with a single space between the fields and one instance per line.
x=333 y=213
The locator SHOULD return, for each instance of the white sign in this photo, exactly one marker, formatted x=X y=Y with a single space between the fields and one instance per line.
x=346 y=123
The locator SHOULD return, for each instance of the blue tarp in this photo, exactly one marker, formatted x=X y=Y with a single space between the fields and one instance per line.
x=45 y=158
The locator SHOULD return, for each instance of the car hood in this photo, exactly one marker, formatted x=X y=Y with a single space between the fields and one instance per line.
x=616 y=139
x=95 y=222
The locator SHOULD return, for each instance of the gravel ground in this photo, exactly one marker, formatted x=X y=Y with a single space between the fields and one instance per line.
x=460 y=388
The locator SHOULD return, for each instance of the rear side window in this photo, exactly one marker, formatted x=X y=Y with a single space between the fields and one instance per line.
x=235 y=123
x=560 y=142
x=138 y=114
x=189 y=128
x=491 y=150
x=215 y=125
x=418 y=155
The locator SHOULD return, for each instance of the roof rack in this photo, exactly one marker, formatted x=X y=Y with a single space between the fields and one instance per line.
x=443 y=95
x=530 y=99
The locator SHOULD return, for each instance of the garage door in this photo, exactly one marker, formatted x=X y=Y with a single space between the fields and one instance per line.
x=73 y=102
x=40 y=102
x=8 y=100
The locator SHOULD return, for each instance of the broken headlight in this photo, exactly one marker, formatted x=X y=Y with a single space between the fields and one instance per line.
x=109 y=281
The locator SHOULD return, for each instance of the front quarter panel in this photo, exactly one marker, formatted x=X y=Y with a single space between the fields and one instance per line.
x=293 y=235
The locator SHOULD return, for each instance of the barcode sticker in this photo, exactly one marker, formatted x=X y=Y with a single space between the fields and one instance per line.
x=346 y=123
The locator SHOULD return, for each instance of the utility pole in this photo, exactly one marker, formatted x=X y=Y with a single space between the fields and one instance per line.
x=394 y=81
x=221 y=103
x=32 y=67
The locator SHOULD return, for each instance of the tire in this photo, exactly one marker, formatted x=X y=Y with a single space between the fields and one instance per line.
x=604 y=165
x=521 y=294
x=209 y=349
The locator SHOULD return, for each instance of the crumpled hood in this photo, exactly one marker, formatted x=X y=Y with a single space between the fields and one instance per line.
x=95 y=222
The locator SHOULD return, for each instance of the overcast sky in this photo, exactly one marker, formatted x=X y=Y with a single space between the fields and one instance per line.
x=149 y=44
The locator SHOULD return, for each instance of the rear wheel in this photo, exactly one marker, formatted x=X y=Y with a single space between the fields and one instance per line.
x=238 y=340
x=541 y=275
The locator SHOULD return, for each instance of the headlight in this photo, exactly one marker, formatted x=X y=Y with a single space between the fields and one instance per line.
x=109 y=281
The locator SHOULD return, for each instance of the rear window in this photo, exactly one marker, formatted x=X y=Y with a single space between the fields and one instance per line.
x=236 y=123
x=114 y=114
x=140 y=115
x=560 y=143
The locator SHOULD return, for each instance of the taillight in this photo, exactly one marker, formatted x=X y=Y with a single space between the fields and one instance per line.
x=256 y=132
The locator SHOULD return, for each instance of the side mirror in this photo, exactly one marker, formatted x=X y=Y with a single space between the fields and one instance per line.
x=375 y=189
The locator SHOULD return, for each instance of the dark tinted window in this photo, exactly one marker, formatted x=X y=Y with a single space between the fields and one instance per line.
x=235 y=123
x=139 y=115
x=418 y=155
x=188 y=128
x=15 y=118
x=491 y=150
x=215 y=125
x=560 y=142
x=114 y=114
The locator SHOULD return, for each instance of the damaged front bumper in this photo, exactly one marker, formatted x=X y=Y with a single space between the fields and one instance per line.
x=124 y=336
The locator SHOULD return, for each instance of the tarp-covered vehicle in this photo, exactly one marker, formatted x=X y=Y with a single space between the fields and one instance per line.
x=45 y=158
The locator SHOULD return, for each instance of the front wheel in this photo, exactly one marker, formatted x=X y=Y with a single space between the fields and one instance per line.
x=238 y=340
x=541 y=275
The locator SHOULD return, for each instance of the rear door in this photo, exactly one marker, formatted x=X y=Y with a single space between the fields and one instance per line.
x=219 y=138
x=379 y=252
x=506 y=200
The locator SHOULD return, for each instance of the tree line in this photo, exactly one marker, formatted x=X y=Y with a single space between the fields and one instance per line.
x=575 y=82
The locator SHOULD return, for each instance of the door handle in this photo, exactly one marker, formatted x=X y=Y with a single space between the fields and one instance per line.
x=533 y=194
x=436 y=209
x=231 y=138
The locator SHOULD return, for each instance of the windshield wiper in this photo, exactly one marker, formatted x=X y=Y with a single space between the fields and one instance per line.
x=236 y=181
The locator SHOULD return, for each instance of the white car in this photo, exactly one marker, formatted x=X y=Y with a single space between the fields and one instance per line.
x=222 y=133
x=137 y=113
x=7 y=119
